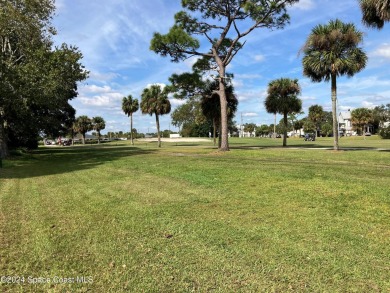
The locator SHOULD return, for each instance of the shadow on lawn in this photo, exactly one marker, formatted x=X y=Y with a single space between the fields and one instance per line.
x=51 y=161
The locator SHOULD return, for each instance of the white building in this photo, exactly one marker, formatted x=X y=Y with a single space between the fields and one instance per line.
x=345 y=124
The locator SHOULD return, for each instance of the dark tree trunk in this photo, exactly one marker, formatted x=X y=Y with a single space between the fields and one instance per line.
x=334 y=112
x=158 y=131
x=3 y=141
x=285 y=129
x=131 y=129
x=215 y=131
x=219 y=136
x=83 y=138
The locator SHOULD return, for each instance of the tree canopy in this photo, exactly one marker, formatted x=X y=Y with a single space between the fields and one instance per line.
x=130 y=106
x=375 y=12
x=155 y=102
x=221 y=24
x=37 y=80
x=332 y=50
x=282 y=98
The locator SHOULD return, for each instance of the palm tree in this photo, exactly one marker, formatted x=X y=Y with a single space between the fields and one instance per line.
x=360 y=117
x=82 y=125
x=282 y=98
x=98 y=124
x=155 y=101
x=332 y=50
x=130 y=106
x=316 y=115
x=375 y=12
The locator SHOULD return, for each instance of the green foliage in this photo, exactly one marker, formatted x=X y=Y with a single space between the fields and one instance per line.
x=332 y=49
x=361 y=117
x=298 y=125
x=155 y=101
x=263 y=130
x=327 y=129
x=385 y=132
x=309 y=126
x=130 y=106
x=82 y=125
x=282 y=98
x=375 y=12
x=98 y=124
x=37 y=80
x=223 y=24
x=249 y=127
x=175 y=44
x=381 y=114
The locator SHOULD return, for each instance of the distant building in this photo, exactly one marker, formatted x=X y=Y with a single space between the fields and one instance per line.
x=345 y=123
x=346 y=127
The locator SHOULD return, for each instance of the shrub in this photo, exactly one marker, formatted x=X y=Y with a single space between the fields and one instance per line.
x=385 y=132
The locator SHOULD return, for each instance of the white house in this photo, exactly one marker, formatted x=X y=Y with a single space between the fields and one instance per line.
x=345 y=124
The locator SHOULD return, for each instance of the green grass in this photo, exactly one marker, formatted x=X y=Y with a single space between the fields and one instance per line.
x=185 y=218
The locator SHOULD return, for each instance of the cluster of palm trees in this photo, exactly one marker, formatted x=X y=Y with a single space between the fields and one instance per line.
x=154 y=100
x=330 y=51
x=83 y=124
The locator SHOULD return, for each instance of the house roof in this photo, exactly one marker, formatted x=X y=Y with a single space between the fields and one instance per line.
x=345 y=115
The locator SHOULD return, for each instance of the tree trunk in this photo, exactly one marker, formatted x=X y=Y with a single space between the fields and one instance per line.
x=223 y=133
x=334 y=112
x=285 y=129
x=98 y=137
x=83 y=138
x=214 y=131
x=131 y=129
x=158 y=131
x=3 y=141
x=219 y=136
x=274 y=134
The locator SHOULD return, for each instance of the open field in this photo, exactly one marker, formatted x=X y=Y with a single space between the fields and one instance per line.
x=186 y=217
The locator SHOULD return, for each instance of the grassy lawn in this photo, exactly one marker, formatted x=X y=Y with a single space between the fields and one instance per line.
x=186 y=217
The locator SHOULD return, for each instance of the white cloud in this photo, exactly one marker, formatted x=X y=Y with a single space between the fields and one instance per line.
x=250 y=114
x=308 y=98
x=367 y=104
x=259 y=58
x=383 y=51
x=177 y=102
x=97 y=89
x=248 y=76
x=304 y=5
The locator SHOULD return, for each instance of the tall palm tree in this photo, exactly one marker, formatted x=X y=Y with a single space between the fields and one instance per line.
x=155 y=101
x=330 y=51
x=98 y=124
x=316 y=115
x=82 y=125
x=130 y=106
x=282 y=98
x=360 y=117
x=375 y=12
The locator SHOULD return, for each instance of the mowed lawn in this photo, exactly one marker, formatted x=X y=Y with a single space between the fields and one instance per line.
x=187 y=218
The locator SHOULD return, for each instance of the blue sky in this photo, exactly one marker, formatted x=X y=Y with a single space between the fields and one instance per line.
x=114 y=37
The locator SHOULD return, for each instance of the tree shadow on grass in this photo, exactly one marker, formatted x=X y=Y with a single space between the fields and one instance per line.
x=60 y=160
